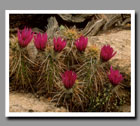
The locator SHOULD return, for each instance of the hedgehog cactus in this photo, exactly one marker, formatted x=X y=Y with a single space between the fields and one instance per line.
x=21 y=64
x=74 y=74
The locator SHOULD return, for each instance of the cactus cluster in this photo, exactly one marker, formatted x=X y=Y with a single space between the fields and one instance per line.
x=71 y=73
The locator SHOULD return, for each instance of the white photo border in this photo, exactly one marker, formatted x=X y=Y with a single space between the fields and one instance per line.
x=70 y=114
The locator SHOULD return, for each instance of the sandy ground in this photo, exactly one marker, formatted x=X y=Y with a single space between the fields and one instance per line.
x=21 y=102
x=120 y=40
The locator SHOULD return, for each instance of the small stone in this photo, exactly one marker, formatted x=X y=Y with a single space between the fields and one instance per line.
x=30 y=110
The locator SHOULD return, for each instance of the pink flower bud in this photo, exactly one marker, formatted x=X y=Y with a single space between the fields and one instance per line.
x=107 y=53
x=81 y=43
x=40 y=41
x=68 y=78
x=59 y=44
x=115 y=77
x=24 y=37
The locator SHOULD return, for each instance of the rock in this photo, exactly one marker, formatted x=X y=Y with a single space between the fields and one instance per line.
x=92 y=28
x=51 y=27
x=120 y=41
x=111 y=20
x=32 y=51
x=76 y=18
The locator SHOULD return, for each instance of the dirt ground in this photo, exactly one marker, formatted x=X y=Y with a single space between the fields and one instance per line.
x=120 y=40
x=21 y=102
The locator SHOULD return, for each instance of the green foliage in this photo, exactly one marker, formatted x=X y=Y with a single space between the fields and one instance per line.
x=105 y=100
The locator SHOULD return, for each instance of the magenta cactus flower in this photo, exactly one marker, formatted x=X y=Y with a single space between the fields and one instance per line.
x=24 y=36
x=40 y=41
x=115 y=77
x=107 y=53
x=68 y=78
x=59 y=44
x=81 y=43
